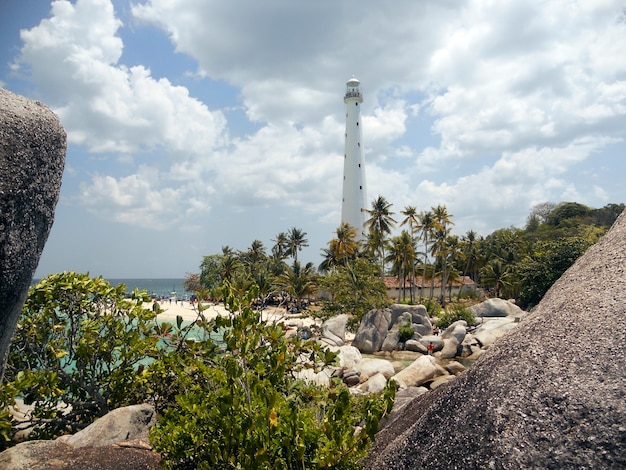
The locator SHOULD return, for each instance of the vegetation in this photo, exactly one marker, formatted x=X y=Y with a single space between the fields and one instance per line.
x=77 y=351
x=454 y=312
x=81 y=350
x=245 y=407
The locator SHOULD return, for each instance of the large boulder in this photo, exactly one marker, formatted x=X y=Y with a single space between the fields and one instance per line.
x=419 y=317
x=334 y=330
x=372 y=331
x=121 y=424
x=32 y=157
x=549 y=394
x=496 y=308
x=490 y=331
x=117 y=440
x=393 y=335
x=452 y=338
x=420 y=371
x=371 y=366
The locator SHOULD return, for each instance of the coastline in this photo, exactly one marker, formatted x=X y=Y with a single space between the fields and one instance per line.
x=188 y=312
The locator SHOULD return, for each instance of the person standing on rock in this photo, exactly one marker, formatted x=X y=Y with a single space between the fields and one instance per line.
x=431 y=346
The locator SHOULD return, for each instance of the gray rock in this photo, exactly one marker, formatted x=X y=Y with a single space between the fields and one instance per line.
x=372 y=366
x=121 y=424
x=372 y=331
x=117 y=440
x=490 y=331
x=419 y=317
x=417 y=373
x=32 y=157
x=334 y=330
x=393 y=335
x=375 y=384
x=455 y=367
x=349 y=356
x=496 y=308
x=452 y=338
x=526 y=403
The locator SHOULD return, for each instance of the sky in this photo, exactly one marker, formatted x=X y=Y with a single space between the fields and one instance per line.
x=196 y=124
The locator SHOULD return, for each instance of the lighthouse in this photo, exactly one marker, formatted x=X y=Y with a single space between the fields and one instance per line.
x=354 y=194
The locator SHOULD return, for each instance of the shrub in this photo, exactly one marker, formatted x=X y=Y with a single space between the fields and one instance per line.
x=406 y=332
x=244 y=407
x=77 y=350
x=455 y=312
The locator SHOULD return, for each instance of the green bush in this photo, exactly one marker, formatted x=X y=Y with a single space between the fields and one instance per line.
x=245 y=407
x=432 y=307
x=406 y=332
x=77 y=350
x=455 y=312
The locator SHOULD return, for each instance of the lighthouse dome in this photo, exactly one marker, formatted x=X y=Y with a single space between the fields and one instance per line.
x=353 y=82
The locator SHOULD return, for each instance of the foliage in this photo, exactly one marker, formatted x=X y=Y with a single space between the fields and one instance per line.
x=455 y=312
x=406 y=332
x=546 y=264
x=244 y=407
x=77 y=350
x=355 y=289
x=432 y=307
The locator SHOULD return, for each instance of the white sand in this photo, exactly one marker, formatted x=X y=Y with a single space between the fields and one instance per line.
x=189 y=312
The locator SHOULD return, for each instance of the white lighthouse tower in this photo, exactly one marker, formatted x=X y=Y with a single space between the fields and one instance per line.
x=354 y=193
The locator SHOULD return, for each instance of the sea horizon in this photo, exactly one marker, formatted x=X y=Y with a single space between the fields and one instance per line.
x=161 y=287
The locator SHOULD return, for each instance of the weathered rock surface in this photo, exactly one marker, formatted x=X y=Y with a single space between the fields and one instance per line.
x=527 y=403
x=334 y=330
x=373 y=331
x=496 y=308
x=117 y=440
x=32 y=157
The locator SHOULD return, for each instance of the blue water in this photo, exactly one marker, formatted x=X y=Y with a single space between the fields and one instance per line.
x=159 y=287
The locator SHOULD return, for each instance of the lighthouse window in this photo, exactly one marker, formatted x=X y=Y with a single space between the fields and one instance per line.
x=356 y=104
x=359 y=144
x=357 y=124
x=359 y=165
x=360 y=187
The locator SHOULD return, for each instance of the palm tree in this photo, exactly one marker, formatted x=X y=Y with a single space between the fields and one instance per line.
x=411 y=218
x=281 y=244
x=380 y=224
x=402 y=257
x=298 y=282
x=295 y=242
x=340 y=249
x=427 y=225
x=442 y=220
x=496 y=275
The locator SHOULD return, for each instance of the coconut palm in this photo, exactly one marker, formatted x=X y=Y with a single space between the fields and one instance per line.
x=427 y=225
x=281 y=245
x=411 y=218
x=340 y=249
x=299 y=282
x=379 y=225
x=402 y=257
x=295 y=242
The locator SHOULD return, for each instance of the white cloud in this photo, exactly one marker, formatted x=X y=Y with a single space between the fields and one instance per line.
x=516 y=96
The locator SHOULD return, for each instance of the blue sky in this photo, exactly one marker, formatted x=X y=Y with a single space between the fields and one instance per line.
x=194 y=124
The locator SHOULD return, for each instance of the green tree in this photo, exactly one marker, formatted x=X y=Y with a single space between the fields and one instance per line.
x=412 y=219
x=341 y=249
x=78 y=350
x=546 y=264
x=299 y=282
x=247 y=407
x=296 y=240
x=379 y=225
x=355 y=289
x=402 y=258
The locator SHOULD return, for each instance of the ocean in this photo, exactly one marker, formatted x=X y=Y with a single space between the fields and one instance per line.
x=158 y=287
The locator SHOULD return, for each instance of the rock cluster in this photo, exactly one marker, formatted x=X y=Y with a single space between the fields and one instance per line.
x=117 y=440
x=549 y=394
x=32 y=157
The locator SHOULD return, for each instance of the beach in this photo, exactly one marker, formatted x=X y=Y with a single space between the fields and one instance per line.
x=189 y=311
